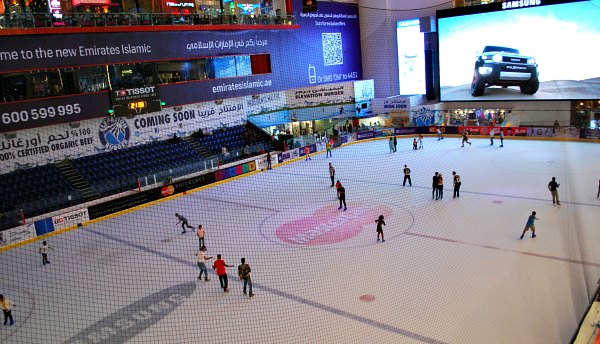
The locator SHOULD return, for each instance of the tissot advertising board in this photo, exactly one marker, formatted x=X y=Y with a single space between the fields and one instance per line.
x=520 y=50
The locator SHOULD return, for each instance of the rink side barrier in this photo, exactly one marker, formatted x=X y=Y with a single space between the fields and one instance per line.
x=41 y=229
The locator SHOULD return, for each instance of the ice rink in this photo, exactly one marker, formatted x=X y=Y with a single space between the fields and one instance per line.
x=450 y=271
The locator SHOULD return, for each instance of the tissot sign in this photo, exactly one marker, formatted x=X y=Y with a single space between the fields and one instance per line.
x=138 y=100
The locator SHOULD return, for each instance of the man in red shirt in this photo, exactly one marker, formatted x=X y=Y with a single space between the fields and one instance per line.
x=220 y=266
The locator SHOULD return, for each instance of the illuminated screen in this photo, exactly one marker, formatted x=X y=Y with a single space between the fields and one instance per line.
x=540 y=52
x=411 y=61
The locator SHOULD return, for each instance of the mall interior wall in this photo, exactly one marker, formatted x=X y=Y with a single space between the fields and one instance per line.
x=378 y=37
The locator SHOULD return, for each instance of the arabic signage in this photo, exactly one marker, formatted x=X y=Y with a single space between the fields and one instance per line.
x=389 y=105
x=320 y=95
x=35 y=113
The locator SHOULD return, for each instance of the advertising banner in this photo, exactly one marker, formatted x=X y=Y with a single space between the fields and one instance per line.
x=35 y=113
x=135 y=101
x=72 y=218
x=14 y=235
x=508 y=131
x=363 y=135
x=364 y=90
x=404 y=131
x=387 y=105
x=320 y=95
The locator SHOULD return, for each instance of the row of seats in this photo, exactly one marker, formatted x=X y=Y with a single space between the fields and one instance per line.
x=232 y=138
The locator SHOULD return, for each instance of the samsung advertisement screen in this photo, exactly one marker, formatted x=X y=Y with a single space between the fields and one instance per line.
x=411 y=61
x=537 y=52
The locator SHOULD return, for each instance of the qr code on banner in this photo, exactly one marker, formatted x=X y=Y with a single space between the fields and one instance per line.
x=332 y=49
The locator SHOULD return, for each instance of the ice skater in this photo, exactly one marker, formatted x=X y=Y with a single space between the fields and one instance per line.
x=420 y=141
x=501 y=138
x=307 y=153
x=202 y=259
x=7 y=310
x=328 y=150
x=331 y=174
x=530 y=225
x=391 y=143
x=553 y=187
x=220 y=266
x=342 y=197
x=44 y=252
x=415 y=144
x=244 y=273
x=406 y=176
x=395 y=144
x=338 y=185
x=184 y=222
x=434 y=186
x=492 y=133
x=465 y=138
x=380 y=223
x=439 y=134
x=457 y=183
x=200 y=234
x=440 y=187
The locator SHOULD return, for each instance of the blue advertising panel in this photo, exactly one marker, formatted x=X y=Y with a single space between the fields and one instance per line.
x=520 y=50
x=326 y=49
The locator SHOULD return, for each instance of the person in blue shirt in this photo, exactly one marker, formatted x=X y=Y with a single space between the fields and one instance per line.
x=530 y=225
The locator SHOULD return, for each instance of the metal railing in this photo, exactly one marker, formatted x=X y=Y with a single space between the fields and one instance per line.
x=45 y=20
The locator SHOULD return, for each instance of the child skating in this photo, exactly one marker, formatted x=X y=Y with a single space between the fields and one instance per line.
x=44 y=252
x=380 y=223
x=530 y=225
x=415 y=144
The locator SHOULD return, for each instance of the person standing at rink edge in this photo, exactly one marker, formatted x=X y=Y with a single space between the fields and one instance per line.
x=380 y=223
x=7 y=310
x=307 y=153
x=553 y=187
x=457 y=183
x=269 y=161
x=328 y=150
x=395 y=144
x=220 y=266
x=244 y=273
x=530 y=225
x=184 y=222
x=332 y=174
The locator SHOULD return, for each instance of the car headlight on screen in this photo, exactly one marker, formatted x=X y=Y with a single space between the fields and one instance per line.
x=485 y=70
x=531 y=61
x=497 y=58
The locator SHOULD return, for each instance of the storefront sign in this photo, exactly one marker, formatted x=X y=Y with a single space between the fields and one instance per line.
x=363 y=135
x=404 y=131
x=388 y=105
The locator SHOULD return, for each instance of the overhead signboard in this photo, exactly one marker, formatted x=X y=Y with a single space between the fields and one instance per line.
x=135 y=101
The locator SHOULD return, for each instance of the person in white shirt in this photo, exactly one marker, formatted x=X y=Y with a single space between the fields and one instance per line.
x=200 y=234
x=202 y=258
x=492 y=133
x=44 y=251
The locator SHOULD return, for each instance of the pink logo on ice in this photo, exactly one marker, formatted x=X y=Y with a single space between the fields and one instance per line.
x=328 y=225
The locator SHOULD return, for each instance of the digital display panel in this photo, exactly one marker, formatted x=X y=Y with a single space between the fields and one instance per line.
x=546 y=50
x=411 y=60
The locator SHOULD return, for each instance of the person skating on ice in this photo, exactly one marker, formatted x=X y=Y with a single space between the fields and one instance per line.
x=415 y=144
x=501 y=138
x=338 y=185
x=202 y=259
x=307 y=153
x=406 y=176
x=465 y=138
x=391 y=143
x=269 y=161
x=328 y=150
x=439 y=134
x=7 y=310
x=530 y=225
x=380 y=223
x=420 y=141
x=44 y=252
x=220 y=266
x=342 y=196
x=440 y=187
x=434 y=186
x=492 y=133
x=395 y=144
x=456 y=183
x=184 y=222
x=244 y=274
x=200 y=234
x=553 y=187
x=331 y=174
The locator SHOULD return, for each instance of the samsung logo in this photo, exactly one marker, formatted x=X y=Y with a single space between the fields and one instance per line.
x=506 y=5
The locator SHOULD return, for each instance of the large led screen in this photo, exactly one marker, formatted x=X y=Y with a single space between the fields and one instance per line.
x=411 y=60
x=538 y=52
